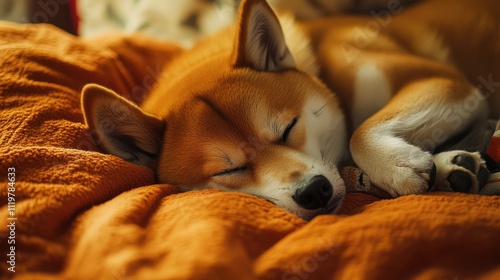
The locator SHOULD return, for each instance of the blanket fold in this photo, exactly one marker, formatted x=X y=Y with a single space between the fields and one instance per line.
x=82 y=214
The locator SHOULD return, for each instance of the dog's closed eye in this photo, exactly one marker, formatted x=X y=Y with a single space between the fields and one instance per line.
x=231 y=171
x=288 y=130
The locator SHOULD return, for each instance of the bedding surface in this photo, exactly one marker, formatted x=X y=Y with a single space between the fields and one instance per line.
x=76 y=213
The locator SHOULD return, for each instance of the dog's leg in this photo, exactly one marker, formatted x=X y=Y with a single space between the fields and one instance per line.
x=402 y=106
x=393 y=146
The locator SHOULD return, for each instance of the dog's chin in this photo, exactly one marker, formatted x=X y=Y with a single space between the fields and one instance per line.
x=333 y=206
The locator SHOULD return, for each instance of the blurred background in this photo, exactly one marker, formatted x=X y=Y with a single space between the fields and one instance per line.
x=34 y=11
x=180 y=20
x=183 y=21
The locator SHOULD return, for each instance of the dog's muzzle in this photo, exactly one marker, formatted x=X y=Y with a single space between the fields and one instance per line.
x=315 y=195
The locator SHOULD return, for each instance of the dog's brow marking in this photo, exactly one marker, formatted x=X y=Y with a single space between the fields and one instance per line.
x=275 y=126
x=225 y=157
x=216 y=110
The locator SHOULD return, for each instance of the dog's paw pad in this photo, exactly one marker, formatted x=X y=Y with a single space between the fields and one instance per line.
x=466 y=161
x=460 y=171
x=432 y=175
x=460 y=181
x=483 y=176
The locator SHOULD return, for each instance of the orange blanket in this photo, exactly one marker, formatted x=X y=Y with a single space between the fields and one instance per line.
x=67 y=211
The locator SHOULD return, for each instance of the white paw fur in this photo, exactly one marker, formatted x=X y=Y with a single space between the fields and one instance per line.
x=395 y=166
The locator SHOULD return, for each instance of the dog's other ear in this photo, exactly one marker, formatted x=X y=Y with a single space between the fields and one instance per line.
x=120 y=127
x=260 y=43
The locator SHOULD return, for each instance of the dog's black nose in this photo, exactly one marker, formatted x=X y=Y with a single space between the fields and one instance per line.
x=315 y=195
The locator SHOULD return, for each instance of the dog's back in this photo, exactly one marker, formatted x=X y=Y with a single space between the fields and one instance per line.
x=403 y=42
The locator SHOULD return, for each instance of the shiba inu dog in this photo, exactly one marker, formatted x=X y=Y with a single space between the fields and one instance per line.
x=269 y=108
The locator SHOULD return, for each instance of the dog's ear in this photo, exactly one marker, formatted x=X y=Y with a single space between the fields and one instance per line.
x=260 y=43
x=120 y=127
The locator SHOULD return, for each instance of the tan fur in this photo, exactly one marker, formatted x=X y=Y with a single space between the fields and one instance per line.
x=459 y=40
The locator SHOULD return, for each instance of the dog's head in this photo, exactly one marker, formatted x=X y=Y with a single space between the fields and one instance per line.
x=245 y=120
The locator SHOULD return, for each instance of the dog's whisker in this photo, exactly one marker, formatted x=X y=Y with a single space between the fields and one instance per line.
x=322 y=155
x=318 y=112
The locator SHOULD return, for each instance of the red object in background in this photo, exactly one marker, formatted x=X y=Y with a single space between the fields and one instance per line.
x=74 y=15
x=494 y=149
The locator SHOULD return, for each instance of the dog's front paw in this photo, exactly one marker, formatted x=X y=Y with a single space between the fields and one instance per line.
x=399 y=168
x=460 y=171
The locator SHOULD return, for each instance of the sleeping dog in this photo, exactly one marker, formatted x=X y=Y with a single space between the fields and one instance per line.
x=271 y=107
